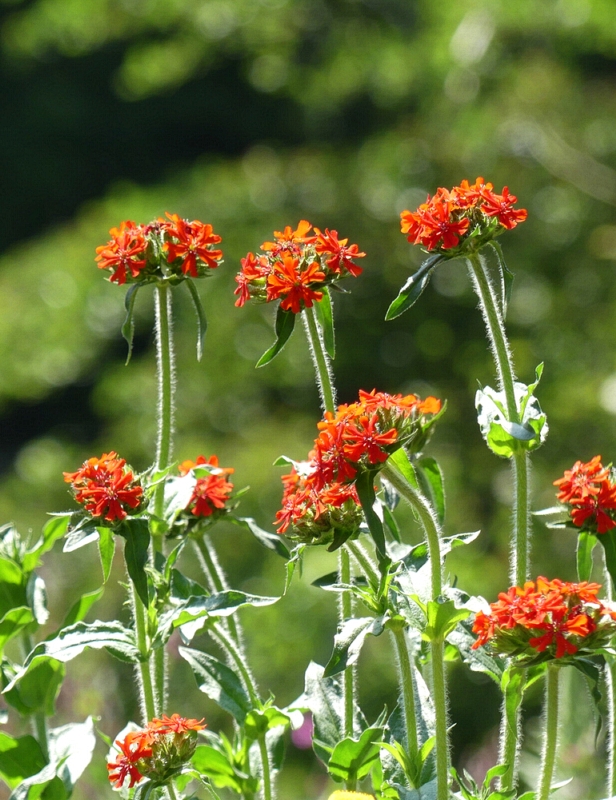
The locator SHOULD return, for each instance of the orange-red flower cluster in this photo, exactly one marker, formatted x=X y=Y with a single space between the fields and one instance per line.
x=164 y=248
x=106 y=487
x=467 y=213
x=554 y=618
x=359 y=436
x=590 y=490
x=212 y=492
x=295 y=268
x=162 y=746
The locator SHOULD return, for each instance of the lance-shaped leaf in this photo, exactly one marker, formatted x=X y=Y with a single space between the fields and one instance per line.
x=128 y=326
x=506 y=277
x=258 y=723
x=201 y=318
x=79 y=536
x=479 y=660
x=593 y=677
x=38 y=689
x=413 y=288
x=418 y=555
x=325 y=315
x=12 y=586
x=367 y=497
x=352 y=759
x=273 y=541
x=106 y=551
x=217 y=766
x=54 y=529
x=70 y=642
x=442 y=618
x=349 y=641
x=431 y=480
x=218 y=682
x=324 y=698
x=19 y=759
x=586 y=543
x=285 y=322
x=608 y=540
x=80 y=607
x=13 y=622
x=137 y=536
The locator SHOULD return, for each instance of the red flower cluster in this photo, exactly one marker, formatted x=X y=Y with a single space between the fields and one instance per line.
x=591 y=492
x=357 y=437
x=163 y=248
x=295 y=268
x=105 y=487
x=155 y=749
x=552 y=617
x=452 y=217
x=211 y=492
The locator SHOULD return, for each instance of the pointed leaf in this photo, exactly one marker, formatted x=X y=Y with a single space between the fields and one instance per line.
x=593 y=677
x=365 y=491
x=392 y=524
x=285 y=322
x=434 y=485
x=506 y=277
x=273 y=541
x=442 y=619
x=53 y=530
x=128 y=326
x=19 y=759
x=218 y=682
x=585 y=545
x=413 y=288
x=401 y=460
x=608 y=540
x=324 y=698
x=79 y=609
x=201 y=318
x=106 y=550
x=80 y=536
x=38 y=689
x=325 y=316
x=137 y=536
x=348 y=643
x=352 y=759
x=13 y=622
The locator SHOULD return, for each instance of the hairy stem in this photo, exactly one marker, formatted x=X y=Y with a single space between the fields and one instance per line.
x=38 y=720
x=548 y=757
x=217 y=580
x=173 y=795
x=146 y=683
x=439 y=698
x=165 y=378
x=407 y=689
x=610 y=681
x=345 y=611
x=320 y=360
x=363 y=559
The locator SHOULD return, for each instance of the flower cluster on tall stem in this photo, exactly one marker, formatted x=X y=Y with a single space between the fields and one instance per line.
x=212 y=491
x=546 y=620
x=589 y=489
x=106 y=487
x=157 y=751
x=164 y=248
x=296 y=267
x=456 y=221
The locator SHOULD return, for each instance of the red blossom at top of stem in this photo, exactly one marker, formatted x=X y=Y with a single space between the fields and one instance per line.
x=465 y=217
x=106 y=487
x=212 y=492
x=191 y=243
x=124 y=253
x=590 y=492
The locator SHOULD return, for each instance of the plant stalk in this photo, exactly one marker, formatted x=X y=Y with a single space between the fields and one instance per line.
x=320 y=360
x=171 y=791
x=345 y=611
x=165 y=378
x=407 y=688
x=146 y=683
x=548 y=757
x=439 y=699
x=38 y=720
x=610 y=681
x=216 y=579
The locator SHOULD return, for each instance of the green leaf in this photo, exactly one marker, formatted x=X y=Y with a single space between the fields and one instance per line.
x=506 y=277
x=54 y=529
x=418 y=555
x=593 y=677
x=434 y=487
x=201 y=318
x=349 y=641
x=216 y=766
x=608 y=540
x=70 y=748
x=80 y=608
x=273 y=541
x=365 y=491
x=352 y=759
x=285 y=322
x=79 y=536
x=324 y=698
x=13 y=622
x=442 y=618
x=36 y=594
x=38 y=689
x=128 y=326
x=70 y=642
x=106 y=551
x=258 y=723
x=413 y=288
x=218 y=682
x=325 y=316
x=12 y=586
x=585 y=545
x=392 y=524
x=479 y=660
x=401 y=460
x=19 y=759
x=137 y=536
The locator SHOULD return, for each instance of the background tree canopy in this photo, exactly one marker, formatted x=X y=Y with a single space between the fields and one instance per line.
x=252 y=114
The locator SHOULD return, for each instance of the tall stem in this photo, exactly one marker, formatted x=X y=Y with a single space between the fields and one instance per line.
x=38 y=719
x=610 y=680
x=437 y=647
x=345 y=611
x=171 y=791
x=165 y=380
x=216 y=579
x=146 y=684
x=320 y=360
x=548 y=757
x=407 y=688
x=365 y=562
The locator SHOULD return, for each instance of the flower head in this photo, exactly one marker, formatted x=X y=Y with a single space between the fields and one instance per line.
x=546 y=620
x=462 y=219
x=211 y=492
x=589 y=489
x=106 y=487
x=296 y=267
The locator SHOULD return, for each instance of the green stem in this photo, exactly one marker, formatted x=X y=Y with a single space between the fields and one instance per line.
x=267 y=775
x=171 y=792
x=509 y=744
x=38 y=720
x=610 y=680
x=216 y=579
x=548 y=757
x=407 y=688
x=345 y=611
x=439 y=699
x=519 y=567
x=320 y=360
x=146 y=684
x=165 y=378
x=428 y=520
x=364 y=561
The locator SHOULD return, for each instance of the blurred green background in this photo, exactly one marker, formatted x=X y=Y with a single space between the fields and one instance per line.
x=252 y=114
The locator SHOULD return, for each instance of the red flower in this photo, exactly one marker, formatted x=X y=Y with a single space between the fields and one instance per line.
x=293 y=284
x=362 y=438
x=133 y=747
x=501 y=207
x=124 y=252
x=105 y=487
x=253 y=269
x=340 y=256
x=211 y=492
x=582 y=480
x=289 y=239
x=194 y=241
x=175 y=724
x=589 y=491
